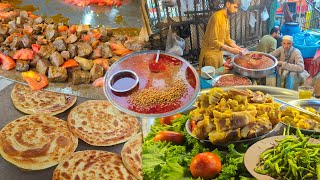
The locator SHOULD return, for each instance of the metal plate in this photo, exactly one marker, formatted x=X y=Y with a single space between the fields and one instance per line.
x=82 y=90
x=138 y=62
x=8 y=113
x=216 y=79
x=280 y=93
x=304 y=103
x=126 y=15
x=239 y=142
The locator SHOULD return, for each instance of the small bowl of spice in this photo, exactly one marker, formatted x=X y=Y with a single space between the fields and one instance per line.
x=123 y=81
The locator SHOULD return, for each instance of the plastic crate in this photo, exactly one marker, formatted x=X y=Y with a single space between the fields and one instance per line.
x=307 y=51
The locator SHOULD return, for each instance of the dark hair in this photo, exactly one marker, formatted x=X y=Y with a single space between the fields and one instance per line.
x=230 y=1
x=274 y=30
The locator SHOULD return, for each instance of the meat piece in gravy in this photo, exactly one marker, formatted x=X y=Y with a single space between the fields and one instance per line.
x=84 y=49
x=57 y=74
x=96 y=72
x=56 y=59
x=72 y=48
x=22 y=65
x=79 y=77
x=59 y=44
x=43 y=66
x=46 y=51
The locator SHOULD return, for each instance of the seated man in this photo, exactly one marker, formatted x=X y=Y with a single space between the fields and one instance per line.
x=290 y=65
x=268 y=43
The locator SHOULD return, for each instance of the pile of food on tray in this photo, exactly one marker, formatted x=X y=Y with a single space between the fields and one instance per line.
x=45 y=51
x=254 y=61
x=223 y=116
x=231 y=80
x=301 y=120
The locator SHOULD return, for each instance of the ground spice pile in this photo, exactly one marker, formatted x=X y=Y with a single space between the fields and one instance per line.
x=150 y=97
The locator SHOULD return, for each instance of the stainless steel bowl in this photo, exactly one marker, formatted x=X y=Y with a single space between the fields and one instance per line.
x=255 y=73
x=304 y=103
x=215 y=80
x=241 y=141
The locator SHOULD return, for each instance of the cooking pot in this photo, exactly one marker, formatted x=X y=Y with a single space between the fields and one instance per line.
x=254 y=73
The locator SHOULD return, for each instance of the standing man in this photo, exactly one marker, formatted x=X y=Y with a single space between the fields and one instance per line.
x=290 y=64
x=217 y=36
x=268 y=43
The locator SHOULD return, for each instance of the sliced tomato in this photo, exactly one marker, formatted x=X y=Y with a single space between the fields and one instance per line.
x=36 y=48
x=98 y=82
x=7 y=62
x=6 y=15
x=169 y=136
x=31 y=15
x=70 y=63
x=25 y=54
x=86 y=37
x=168 y=120
x=62 y=28
x=36 y=81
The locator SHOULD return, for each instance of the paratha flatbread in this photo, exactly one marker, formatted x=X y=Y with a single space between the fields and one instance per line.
x=131 y=155
x=99 y=123
x=36 y=142
x=35 y=102
x=93 y=165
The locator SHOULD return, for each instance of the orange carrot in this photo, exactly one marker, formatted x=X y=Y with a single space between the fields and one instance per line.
x=102 y=62
x=70 y=63
x=62 y=28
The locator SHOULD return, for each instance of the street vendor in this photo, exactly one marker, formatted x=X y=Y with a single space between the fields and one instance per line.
x=217 y=36
x=268 y=43
x=290 y=67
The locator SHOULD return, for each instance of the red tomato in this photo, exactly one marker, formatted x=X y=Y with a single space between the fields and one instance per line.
x=25 y=54
x=7 y=62
x=167 y=120
x=206 y=165
x=171 y=136
x=36 y=48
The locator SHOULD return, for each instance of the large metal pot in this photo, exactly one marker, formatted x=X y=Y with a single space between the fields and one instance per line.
x=254 y=73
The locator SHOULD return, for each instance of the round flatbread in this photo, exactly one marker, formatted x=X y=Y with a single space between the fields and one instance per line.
x=131 y=155
x=99 y=123
x=92 y=164
x=36 y=142
x=35 y=102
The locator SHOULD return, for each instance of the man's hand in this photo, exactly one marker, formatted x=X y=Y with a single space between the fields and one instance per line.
x=316 y=62
x=235 y=51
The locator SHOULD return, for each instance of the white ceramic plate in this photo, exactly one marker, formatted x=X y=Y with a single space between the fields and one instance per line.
x=251 y=158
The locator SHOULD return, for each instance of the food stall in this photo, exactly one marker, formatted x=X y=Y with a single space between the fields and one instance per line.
x=131 y=113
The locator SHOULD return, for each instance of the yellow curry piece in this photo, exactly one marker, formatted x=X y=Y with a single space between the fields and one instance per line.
x=301 y=120
x=221 y=116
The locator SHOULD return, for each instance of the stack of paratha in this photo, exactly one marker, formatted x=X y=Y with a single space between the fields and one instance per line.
x=99 y=123
x=35 y=102
x=36 y=142
x=93 y=165
x=131 y=155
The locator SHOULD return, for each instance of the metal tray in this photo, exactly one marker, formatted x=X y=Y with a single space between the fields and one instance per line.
x=8 y=113
x=304 y=103
x=280 y=93
x=216 y=79
x=126 y=15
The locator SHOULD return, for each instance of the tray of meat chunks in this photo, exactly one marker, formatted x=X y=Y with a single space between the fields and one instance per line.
x=70 y=59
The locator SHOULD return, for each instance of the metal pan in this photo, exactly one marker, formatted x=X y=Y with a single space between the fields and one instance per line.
x=303 y=103
x=254 y=73
x=215 y=80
